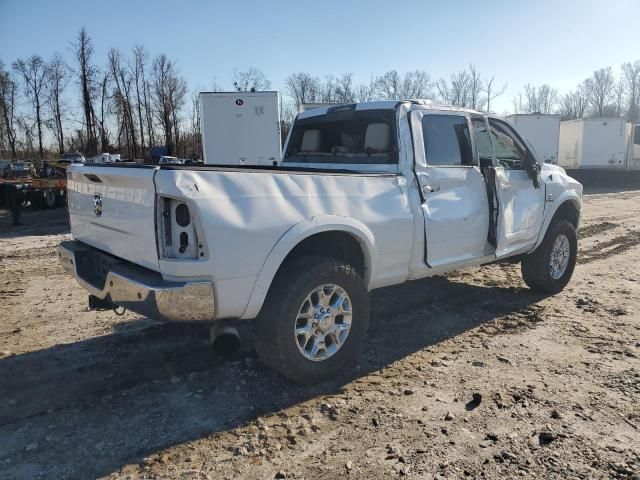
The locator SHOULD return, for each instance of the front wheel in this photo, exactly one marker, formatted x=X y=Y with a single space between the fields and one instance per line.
x=314 y=320
x=550 y=267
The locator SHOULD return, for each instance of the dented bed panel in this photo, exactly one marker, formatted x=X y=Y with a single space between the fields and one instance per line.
x=246 y=214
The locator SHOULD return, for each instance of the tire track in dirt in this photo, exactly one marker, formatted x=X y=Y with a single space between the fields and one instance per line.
x=596 y=229
x=35 y=253
x=612 y=247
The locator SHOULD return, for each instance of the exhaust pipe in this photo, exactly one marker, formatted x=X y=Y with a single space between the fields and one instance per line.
x=225 y=339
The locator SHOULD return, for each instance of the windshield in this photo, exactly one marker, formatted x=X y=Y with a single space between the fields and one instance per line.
x=344 y=137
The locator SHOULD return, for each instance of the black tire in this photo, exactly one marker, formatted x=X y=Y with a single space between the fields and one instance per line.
x=274 y=339
x=536 y=267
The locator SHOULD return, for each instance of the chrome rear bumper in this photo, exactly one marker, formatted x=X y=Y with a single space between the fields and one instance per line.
x=136 y=288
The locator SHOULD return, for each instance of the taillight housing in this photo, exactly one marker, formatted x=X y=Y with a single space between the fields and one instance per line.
x=178 y=230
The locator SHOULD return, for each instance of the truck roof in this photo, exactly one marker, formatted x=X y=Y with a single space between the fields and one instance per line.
x=384 y=105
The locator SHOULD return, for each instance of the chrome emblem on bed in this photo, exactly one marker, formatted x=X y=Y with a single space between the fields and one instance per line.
x=97 y=204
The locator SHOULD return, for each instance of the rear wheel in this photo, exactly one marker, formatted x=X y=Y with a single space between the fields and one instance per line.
x=314 y=320
x=550 y=267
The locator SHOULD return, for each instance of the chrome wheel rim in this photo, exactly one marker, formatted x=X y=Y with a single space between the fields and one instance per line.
x=323 y=322
x=559 y=257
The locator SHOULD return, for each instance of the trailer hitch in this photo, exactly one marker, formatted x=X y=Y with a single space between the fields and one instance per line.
x=101 y=305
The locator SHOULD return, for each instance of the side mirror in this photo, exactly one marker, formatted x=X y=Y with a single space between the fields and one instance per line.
x=532 y=167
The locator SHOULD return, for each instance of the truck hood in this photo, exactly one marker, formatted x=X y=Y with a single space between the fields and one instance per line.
x=550 y=169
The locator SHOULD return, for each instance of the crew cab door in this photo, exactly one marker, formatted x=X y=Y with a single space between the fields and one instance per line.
x=453 y=190
x=520 y=205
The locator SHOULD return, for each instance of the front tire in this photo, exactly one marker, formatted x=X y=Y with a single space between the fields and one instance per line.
x=314 y=320
x=550 y=267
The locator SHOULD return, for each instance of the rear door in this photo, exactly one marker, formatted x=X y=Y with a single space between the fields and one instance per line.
x=520 y=203
x=454 y=196
x=113 y=209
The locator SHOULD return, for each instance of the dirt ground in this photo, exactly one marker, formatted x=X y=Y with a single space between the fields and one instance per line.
x=468 y=375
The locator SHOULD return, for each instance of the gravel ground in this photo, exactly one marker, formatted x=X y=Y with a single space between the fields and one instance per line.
x=468 y=375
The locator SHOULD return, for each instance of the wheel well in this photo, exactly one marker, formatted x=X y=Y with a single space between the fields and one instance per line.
x=568 y=211
x=340 y=245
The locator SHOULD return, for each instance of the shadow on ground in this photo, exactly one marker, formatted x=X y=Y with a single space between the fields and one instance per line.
x=87 y=408
x=34 y=221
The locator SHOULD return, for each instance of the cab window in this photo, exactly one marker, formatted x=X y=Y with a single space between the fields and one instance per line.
x=483 y=142
x=509 y=150
x=447 y=141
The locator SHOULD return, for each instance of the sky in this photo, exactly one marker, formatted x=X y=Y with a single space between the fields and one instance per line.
x=556 y=42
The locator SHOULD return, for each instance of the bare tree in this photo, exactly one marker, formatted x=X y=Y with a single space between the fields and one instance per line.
x=618 y=95
x=573 y=104
x=541 y=99
x=168 y=93
x=122 y=96
x=57 y=81
x=599 y=90
x=139 y=60
x=475 y=88
x=146 y=93
x=195 y=125
x=457 y=90
x=253 y=80
x=33 y=72
x=364 y=92
x=491 y=93
x=27 y=145
x=393 y=86
x=337 y=89
x=288 y=111
x=631 y=82
x=8 y=95
x=87 y=72
x=104 y=99
x=303 y=88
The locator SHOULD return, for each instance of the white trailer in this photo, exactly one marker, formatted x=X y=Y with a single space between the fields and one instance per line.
x=240 y=128
x=633 y=135
x=542 y=131
x=589 y=143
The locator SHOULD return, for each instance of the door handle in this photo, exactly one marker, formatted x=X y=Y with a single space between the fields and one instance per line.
x=426 y=189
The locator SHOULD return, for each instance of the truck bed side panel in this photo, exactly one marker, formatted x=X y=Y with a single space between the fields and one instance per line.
x=246 y=213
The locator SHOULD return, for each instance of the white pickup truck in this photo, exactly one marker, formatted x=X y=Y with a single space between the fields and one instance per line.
x=368 y=195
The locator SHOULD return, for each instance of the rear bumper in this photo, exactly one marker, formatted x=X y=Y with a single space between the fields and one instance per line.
x=136 y=288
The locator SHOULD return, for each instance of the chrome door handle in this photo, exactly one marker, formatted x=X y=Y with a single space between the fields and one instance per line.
x=430 y=188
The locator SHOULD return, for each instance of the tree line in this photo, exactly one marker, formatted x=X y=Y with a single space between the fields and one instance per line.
x=133 y=101
x=128 y=105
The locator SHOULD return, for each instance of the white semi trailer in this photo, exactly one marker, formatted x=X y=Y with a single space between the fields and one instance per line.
x=599 y=143
x=542 y=131
x=240 y=128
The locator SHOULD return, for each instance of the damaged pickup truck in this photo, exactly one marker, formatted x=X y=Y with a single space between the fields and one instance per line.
x=368 y=195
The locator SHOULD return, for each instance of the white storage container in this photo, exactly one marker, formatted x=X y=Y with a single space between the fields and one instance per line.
x=240 y=128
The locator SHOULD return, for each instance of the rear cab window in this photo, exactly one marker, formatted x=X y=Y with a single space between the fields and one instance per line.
x=351 y=137
x=447 y=140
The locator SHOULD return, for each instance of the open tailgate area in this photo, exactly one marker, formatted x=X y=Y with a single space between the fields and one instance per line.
x=113 y=209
